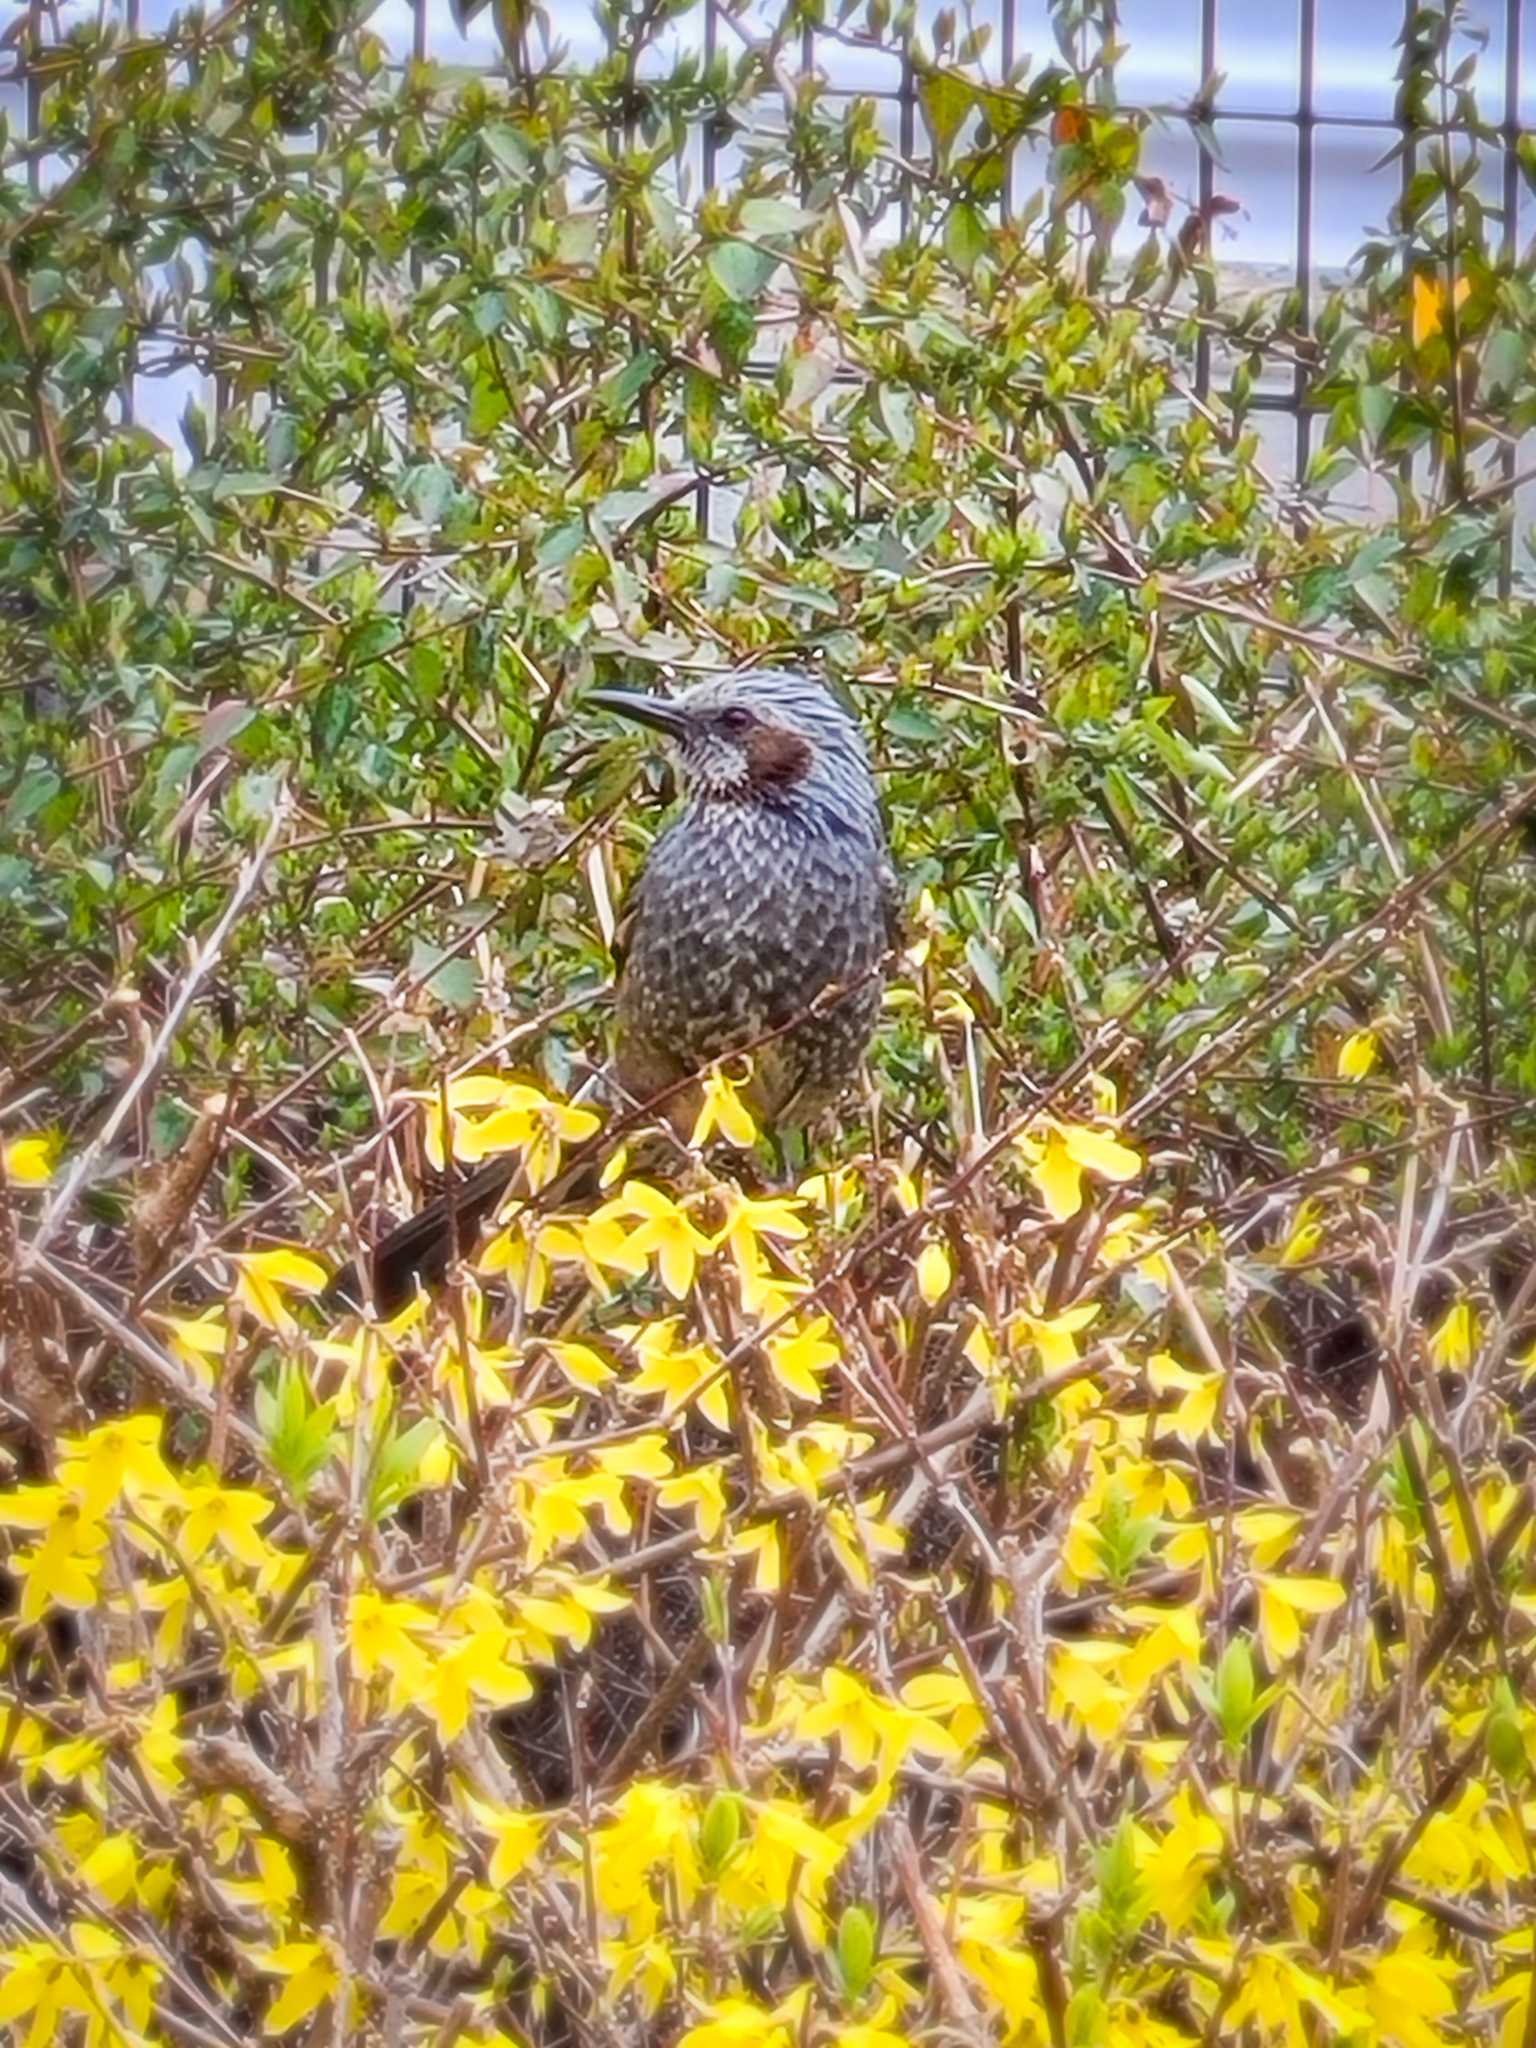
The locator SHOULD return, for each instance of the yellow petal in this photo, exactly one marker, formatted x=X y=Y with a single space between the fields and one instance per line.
x=1311 y=1595
x=935 y=1274
x=504 y=1130
x=582 y=1366
x=481 y=1091
x=1454 y=1338
x=284 y=1267
x=1278 y=1626
x=1101 y=1152
x=1427 y=299
x=1357 y=1056
x=1059 y=1178
x=29 y=1160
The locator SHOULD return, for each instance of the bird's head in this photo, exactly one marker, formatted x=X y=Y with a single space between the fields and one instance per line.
x=769 y=735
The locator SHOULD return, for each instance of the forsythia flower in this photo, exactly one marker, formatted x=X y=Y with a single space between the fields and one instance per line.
x=29 y=1161
x=1069 y=1151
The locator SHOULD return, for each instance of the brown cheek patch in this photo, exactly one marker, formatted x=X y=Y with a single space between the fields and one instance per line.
x=776 y=757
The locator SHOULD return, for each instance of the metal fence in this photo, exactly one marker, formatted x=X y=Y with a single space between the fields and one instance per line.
x=1287 y=107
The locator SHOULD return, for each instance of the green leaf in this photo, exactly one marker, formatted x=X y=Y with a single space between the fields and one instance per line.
x=432 y=489
x=1376 y=405
x=332 y=717
x=983 y=964
x=1209 y=705
x=36 y=788
x=856 y=1950
x=700 y=401
x=621 y=390
x=967 y=236
x=740 y=270
x=719 y=1832
x=557 y=546
x=912 y=722
x=1505 y=359
x=895 y=408
x=509 y=150
x=243 y=483
x=396 y=1471
x=456 y=982
x=773 y=217
x=488 y=406
x=946 y=100
x=300 y=1433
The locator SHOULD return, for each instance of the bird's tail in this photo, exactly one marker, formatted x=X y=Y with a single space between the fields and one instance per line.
x=424 y=1246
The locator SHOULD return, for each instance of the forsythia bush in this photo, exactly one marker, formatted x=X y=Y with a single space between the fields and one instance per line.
x=1047 y=1562
x=975 y=1664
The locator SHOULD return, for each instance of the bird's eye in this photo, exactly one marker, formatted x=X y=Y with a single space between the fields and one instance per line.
x=736 y=720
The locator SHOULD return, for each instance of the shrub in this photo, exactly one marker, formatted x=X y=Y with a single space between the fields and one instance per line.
x=1055 y=1567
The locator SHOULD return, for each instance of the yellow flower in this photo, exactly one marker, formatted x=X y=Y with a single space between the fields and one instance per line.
x=1357 y=1056
x=1071 y=1150
x=702 y=1489
x=522 y=1251
x=469 y=1091
x=723 y=1110
x=869 y=1728
x=521 y=1119
x=1176 y=1874
x=118 y=1458
x=555 y=1125
x=1195 y=1415
x=1269 y=1533
x=1428 y=303
x=856 y=1536
x=29 y=1161
x=942 y=1693
x=935 y=1273
x=516 y=1836
x=797 y=1357
x=1055 y=1337
x=1126 y=1235
x=683 y=1378
x=737 y=2023
x=228 y=1516
x=480 y=1663
x=664 y=1232
x=1408 y=1993
x=384 y=1636
x=264 y=1280
x=196 y=1340
x=582 y=1366
x=748 y=1222
x=761 y=1541
x=310 y=1978
x=1084 y=1687
x=551 y=1508
x=64 y=1569
x=1281 y=1600
x=838 y=1191
x=1454 y=1338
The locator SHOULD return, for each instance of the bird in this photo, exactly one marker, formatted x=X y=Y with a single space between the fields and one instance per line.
x=760 y=924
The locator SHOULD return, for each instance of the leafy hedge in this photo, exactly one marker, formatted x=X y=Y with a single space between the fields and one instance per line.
x=1059 y=1568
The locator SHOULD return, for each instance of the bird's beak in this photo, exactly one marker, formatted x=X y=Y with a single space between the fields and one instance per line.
x=660 y=712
